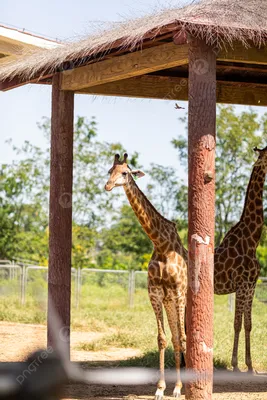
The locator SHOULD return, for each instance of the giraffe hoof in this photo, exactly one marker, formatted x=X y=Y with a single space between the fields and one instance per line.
x=176 y=394
x=159 y=394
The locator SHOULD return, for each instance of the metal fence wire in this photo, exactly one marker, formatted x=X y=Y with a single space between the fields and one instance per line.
x=19 y=279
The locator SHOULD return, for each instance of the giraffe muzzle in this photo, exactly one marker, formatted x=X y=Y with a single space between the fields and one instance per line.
x=108 y=187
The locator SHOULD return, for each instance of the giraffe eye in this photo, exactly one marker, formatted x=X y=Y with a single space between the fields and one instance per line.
x=124 y=173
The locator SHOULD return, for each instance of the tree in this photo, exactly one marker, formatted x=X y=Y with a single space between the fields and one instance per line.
x=92 y=159
x=237 y=135
x=124 y=245
x=168 y=193
x=21 y=207
x=24 y=195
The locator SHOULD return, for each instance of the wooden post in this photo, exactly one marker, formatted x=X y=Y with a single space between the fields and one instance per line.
x=60 y=216
x=201 y=217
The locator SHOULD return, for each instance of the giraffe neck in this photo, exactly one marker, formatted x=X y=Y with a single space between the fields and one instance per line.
x=252 y=214
x=157 y=228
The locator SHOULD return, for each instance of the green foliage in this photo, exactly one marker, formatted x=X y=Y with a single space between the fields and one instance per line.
x=237 y=135
x=83 y=246
x=166 y=191
x=92 y=158
x=22 y=217
x=24 y=194
x=124 y=243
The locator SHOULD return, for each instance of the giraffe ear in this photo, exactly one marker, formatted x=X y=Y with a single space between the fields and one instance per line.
x=137 y=173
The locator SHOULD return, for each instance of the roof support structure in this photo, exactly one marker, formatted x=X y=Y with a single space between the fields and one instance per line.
x=175 y=88
x=153 y=59
x=201 y=218
x=60 y=216
x=133 y=64
x=238 y=53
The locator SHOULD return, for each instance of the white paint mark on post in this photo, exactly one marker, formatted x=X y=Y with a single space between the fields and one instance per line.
x=199 y=239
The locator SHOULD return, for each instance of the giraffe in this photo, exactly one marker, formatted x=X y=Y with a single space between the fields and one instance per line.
x=236 y=268
x=167 y=269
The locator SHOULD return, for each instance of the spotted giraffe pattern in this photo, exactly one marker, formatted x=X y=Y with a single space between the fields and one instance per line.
x=236 y=268
x=167 y=269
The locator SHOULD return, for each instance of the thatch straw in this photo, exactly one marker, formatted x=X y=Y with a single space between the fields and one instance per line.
x=216 y=21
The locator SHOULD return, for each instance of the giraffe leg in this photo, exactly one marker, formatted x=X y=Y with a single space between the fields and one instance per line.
x=248 y=326
x=172 y=316
x=239 y=310
x=156 y=295
x=180 y=307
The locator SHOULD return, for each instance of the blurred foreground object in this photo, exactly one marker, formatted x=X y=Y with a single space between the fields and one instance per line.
x=41 y=377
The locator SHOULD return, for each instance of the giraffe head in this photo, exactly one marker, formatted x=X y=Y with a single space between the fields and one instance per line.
x=120 y=173
x=262 y=159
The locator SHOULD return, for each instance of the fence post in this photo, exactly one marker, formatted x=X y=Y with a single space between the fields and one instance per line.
x=131 y=287
x=23 y=285
x=77 y=287
x=10 y=273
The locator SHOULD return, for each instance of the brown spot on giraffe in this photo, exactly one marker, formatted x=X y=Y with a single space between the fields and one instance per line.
x=241 y=264
x=251 y=206
x=167 y=270
x=228 y=264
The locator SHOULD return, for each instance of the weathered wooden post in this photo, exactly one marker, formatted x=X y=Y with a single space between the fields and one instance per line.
x=60 y=216
x=201 y=216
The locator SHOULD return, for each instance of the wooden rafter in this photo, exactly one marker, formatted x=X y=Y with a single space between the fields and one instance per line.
x=170 y=88
x=238 y=53
x=134 y=64
x=150 y=60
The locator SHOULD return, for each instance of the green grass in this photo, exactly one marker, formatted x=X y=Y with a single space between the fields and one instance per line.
x=121 y=339
x=105 y=309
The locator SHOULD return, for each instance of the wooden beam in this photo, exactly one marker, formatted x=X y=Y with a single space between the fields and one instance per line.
x=133 y=64
x=239 y=53
x=16 y=82
x=150 y=60
x=242 y=68
x=169 y=88
x=60 y=216
x=201 y=219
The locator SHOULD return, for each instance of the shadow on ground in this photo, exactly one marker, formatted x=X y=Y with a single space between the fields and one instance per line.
x=225 y=381
x=106 y=384
x=151 y=360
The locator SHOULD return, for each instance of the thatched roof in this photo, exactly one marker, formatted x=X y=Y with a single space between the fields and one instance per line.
x=216 y=21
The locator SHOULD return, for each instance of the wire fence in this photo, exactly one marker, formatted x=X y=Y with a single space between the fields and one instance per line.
x=19 y=278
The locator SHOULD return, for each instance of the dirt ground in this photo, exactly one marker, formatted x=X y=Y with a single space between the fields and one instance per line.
x=18 y=340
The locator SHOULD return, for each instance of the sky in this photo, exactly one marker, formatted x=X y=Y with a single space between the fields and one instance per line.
x=146 y=126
